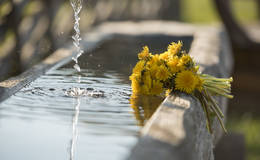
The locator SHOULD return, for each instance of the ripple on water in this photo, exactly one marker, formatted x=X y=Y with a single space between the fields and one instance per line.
x=42 y=113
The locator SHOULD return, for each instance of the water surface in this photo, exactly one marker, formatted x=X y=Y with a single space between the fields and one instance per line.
x=38 y=122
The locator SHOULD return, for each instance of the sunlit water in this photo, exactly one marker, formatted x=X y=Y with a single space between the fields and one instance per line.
x=41 y=122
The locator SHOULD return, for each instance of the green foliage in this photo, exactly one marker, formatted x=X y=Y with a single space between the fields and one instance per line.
x=201 y=11
x=245 y=11
x=250 y=127
x=204 y=11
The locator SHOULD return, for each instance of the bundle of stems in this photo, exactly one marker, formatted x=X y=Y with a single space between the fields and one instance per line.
x=213 y=86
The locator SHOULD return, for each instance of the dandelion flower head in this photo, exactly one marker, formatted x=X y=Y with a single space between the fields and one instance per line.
x=186 y=81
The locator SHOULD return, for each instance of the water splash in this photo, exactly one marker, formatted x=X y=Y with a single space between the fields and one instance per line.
x=80 y=92
x=77 y=6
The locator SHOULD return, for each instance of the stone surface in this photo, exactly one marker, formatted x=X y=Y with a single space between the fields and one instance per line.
x=179 y=126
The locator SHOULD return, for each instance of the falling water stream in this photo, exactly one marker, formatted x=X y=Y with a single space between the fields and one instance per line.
x=74 y=130
x=77 y=6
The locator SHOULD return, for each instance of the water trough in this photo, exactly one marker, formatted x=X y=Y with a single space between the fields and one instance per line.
x=175 y=131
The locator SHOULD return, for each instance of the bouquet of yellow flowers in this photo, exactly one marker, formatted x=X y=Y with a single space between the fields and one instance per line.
x=175 y=71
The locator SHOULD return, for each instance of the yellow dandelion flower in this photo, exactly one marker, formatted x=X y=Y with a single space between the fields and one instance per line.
x=153 y=69
x=155 y=60
x=172 y=64
x=164 y=56
x=157 y=87
x=174 y=48
x=135 y=76
x=162 y=73
x=139 y=67
x=145 y=89
x=185 y=59
x=186 y=81
x=147 y=79
x=136 y=87
x=144 y=54
x=199 y=85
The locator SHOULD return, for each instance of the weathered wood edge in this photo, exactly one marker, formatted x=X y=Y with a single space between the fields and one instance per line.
x=177 y=130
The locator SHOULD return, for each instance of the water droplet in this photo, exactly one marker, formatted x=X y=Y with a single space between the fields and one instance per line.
x=79 y=79
x=76 y=66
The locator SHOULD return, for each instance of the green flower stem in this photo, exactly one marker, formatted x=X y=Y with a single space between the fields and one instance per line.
x=199 y=96
x=214 y=104
x=209 y=77
x=219 y=91
x=215 y=108
x=224 y=91
x=219 y=119
x=224 y=85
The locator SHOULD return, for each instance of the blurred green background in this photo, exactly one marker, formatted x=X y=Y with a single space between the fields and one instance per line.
x=46 y=25
x=203 y=11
